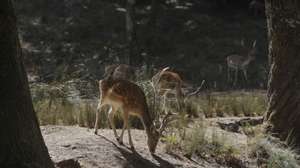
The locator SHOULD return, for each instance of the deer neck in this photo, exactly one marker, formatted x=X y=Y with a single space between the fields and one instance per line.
x=247 y=61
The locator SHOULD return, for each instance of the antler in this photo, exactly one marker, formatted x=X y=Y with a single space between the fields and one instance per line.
x=160 y=74
x=197 y=91
x=154 y=81
x=254 y=44
x=165 y=121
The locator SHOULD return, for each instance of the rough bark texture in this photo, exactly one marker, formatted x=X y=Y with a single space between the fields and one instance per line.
x=21 y=142
x=283 y=114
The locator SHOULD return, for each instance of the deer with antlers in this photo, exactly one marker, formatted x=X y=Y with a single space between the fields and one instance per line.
x=240 y=62
x=120 y=71
x=130 y=99
x=166 y=82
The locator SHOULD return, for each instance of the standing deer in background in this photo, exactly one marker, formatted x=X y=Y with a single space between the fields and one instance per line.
x=239 y=62
x=257 y=7
x=166 y=82
x=130 y=99
x=120 y=71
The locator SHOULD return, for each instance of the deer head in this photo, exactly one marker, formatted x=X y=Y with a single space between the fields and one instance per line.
x=252 y=52
x=157 y=131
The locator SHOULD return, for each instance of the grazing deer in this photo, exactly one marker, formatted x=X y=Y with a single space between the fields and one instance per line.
x=120 y=71
x=238 y=62
x=130 y=99
x=166 y=82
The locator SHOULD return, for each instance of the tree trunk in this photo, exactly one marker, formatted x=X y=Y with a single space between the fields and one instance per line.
x=152 y=35
x=283 y=114
x=21 y=142
x=133 y=57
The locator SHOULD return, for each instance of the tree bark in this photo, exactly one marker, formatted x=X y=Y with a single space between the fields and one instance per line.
x=21 y=142
x=133 y=57
x=151 y=37
x=283 y=114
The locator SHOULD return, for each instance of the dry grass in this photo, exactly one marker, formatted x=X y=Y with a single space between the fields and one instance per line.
x=230 y=104
x=55 y=106
x=271 y=153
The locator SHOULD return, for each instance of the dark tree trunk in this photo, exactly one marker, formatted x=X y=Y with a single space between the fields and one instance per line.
x=21 y=142
x=152 y=24
x=133 y=57
x=283 y=114
x=151 y=37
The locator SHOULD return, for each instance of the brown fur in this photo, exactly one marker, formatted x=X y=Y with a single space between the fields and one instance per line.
x=120 y=71
x=166 y=81
x=130 y=99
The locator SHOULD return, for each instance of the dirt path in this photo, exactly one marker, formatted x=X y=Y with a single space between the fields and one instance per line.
x=76 y=147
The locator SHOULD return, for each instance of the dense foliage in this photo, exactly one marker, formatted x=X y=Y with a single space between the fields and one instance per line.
x=75 y=38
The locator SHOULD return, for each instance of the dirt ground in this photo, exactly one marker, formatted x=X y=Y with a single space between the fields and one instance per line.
x=77 y=147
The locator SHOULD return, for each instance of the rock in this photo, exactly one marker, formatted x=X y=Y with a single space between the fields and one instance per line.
x=233 y=124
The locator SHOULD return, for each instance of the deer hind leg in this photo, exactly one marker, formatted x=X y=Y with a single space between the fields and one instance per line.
x=129 y=136
x=228 y=75
x=164 y=106
x=245 y=75
x=179 y=98
x=235 y=76
x=125 y=125
x=111 y=120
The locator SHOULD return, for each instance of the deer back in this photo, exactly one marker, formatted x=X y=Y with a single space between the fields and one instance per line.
x=124 y=94
x=120 y=71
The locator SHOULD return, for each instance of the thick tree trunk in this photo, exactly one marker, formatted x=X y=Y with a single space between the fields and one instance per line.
x=21 y=142
x=283 y=114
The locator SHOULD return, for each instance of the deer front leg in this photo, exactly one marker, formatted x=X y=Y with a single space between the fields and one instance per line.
x=97 y=118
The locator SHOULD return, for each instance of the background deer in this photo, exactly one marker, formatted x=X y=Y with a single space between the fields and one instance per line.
x=167 y=82
x=131 y=100
x=120 y=71
x=239 y=62
x=257 y=7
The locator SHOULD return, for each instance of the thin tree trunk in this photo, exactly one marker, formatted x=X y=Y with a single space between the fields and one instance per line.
x=21 y=142
x=283 y=114
x=152 y=25
x=133 y=57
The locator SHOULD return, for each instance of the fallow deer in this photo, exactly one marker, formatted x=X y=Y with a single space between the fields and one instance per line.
x=120 y=71
x=239 y=62
x=258 y=7
x=130 y=99
x=167 y=82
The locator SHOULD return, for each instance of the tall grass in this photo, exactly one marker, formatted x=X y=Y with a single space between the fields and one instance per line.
x=230 y=104
x=271 y=153
x=60 y=104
